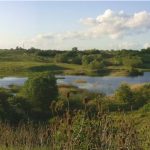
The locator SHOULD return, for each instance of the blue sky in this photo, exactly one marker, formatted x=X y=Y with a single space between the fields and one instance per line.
x=63 y=25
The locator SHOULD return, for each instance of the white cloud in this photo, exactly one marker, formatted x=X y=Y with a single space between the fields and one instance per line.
x=128 y=45
x=139 y=20
x=88 y=21
x=111 y=24
x=118 y=24
x=146 y=45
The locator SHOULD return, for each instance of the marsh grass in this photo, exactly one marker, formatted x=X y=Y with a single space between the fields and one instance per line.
x=74 y=130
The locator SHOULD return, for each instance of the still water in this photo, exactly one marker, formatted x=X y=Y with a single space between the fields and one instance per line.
x=6 y=81
x=106 y=84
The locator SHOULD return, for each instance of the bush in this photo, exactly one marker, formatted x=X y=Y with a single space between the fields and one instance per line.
x=96 y=65
x=4 y=105
x=132 y=61
x=61 y=58
x=20 y=106
x=40 y=90
x=145 y=108
x=133 y=71
x=124 y=93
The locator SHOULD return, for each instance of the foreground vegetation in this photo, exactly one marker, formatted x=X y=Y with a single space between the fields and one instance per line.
x=41 y=116
x=79 y=131
x=24 y=62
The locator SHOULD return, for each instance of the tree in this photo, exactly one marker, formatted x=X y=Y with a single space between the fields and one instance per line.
x=74 y=49
x=117 y=60
x=86 y=59
x=73 y=53
x=134 y=61
x=61 y=58
x=40 y=90
x=76 y=60
x=96 y=65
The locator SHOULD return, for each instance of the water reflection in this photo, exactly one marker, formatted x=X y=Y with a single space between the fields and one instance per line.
x=6 y=81
x=105 y=84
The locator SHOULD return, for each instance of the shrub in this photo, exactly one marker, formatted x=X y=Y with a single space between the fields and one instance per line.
x=40 y=90
x=124 y=93
x=96 y=65
x=132 y=61
x=146 y=108
x=133 y=71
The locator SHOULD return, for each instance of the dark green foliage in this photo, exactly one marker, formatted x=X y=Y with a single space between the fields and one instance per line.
x=142 y=96
x=76 y=60
x=145 y=108
x=74 y=52
x=132 y=61
x=96 y=65
x=115 y=61
x=133 y=72
x=20 y=105
x=4 y=94
x=61 y=58
x=4 y=105
x=94 y=62
x=74 y=49
x=86 y=59
x=40 y=90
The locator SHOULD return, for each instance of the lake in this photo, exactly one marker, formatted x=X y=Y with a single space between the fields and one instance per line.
x=106 y=84
x=6 y=81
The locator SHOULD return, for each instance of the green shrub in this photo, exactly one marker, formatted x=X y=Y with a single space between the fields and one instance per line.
x=40 y=90
x=124 y=93
x=145 y=108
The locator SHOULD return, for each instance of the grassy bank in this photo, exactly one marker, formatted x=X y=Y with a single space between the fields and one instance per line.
x=24 y=62
x=24 y=68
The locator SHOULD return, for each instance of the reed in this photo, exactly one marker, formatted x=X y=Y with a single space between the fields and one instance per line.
x=73 y=131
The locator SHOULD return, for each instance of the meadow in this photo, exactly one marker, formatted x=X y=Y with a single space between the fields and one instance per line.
x=94 y=62
x=41 y=115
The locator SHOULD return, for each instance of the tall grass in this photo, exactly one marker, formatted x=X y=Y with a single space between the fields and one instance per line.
x=74 y=130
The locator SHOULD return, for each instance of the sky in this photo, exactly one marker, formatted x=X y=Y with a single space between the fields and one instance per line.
x=86 y=25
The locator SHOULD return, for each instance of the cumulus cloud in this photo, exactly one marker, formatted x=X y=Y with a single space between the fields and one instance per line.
x=109 y=24
x=118 y=24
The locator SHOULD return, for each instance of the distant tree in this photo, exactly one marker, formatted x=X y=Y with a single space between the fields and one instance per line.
x=74 y=49
x=133 y=61
x=98 y=57
x=147 y=50
x=19 y=48
x=117 y=60
x=73 y=53
x=86 y=59
x=41 y=90
x=76 y=60
x=61 y=58
x=96 y=65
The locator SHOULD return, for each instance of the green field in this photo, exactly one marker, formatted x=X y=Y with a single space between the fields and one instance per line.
x=41 y=115
x=27 y=62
